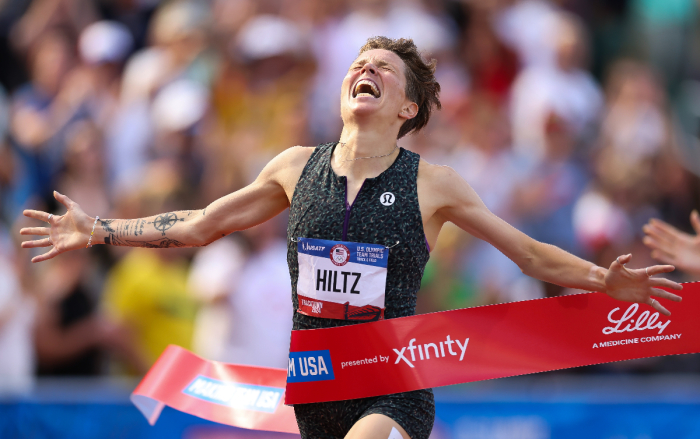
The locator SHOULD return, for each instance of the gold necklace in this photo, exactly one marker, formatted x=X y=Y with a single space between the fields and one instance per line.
x=342 y=144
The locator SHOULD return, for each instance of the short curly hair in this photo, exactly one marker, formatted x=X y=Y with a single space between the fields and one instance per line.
x=421 y=85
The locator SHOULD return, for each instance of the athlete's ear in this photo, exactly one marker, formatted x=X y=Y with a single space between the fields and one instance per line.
x=409 y=111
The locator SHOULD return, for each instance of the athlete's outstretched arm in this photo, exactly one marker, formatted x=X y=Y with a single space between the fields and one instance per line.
x=455 y=201
x=263 y=199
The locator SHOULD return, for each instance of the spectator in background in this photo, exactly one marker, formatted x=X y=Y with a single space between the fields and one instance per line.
x=261 y=303
x=633 y=166
x=528 y=27
x=546 y=194
x=215 y=269
x=103 y=47
x=176 y=110
x=640 y=147
x=12 y=192
x=146 y=292
x=257 y=301
x=17 y=315
x=485 y=158
x=260 y=99
x=492 y=65
x=43 y=16
x=634 y=126
x=632 y=134
x=562 y=87
x=83 y=171
x=43 y=108
x=179 y=51
x=484 y=154
x=71 y=336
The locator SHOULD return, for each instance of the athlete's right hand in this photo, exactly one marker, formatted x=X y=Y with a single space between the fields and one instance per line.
x=66 y=232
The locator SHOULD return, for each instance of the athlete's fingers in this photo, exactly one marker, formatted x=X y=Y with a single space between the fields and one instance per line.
x=48 y=255
x=37 y=243
x=35 y=231
x=666 y=283
x=36 y=214
x=63 y=199
x=620 y=261
x=695 y=221
x=659 y=307
x=658 y=269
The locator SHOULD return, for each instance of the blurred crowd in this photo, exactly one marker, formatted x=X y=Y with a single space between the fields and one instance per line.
x=575 y=120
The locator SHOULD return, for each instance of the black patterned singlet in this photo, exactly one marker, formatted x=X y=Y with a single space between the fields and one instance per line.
x=319 y=209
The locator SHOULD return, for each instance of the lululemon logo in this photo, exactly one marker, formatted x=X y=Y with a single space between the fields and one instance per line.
x=387 y=199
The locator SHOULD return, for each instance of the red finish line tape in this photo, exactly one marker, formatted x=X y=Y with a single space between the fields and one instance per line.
x=241 y=396
x=419 y=352
x=481 y=343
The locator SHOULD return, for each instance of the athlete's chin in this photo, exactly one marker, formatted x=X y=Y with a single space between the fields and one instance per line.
x=364 y=107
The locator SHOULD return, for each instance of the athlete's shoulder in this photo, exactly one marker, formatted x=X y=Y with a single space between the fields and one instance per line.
x=286 y=168
x=442 y=186
x=290 y=159
x=436 y=175
x=296 y=154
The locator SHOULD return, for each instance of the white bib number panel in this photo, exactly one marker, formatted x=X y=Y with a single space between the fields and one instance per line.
x=342 y=280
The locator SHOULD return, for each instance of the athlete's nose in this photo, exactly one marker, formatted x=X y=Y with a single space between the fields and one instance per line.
x=369 y=67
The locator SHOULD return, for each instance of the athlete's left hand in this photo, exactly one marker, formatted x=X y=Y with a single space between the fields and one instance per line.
x=638 y=285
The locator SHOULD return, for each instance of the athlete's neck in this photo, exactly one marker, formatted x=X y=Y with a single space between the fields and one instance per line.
x=350 y=157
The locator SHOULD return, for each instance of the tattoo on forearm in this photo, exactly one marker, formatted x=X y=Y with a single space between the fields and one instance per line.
x=204 y=211
x=138 y=230
x=131 y=227
x=158 y=243
x=106 y=225
x=113 y=239
x=166 y=221
x=120 y=231
x=126 y=227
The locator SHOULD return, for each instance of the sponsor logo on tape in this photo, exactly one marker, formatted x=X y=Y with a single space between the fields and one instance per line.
x=425 y=350
x=236 y=395
x=646 y=320
x=630 y=322
x=310 y=366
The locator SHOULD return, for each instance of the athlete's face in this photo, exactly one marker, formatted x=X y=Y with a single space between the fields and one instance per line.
x=376 y=85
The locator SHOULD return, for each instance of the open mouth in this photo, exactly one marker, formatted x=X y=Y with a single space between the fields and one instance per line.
x=365 y=87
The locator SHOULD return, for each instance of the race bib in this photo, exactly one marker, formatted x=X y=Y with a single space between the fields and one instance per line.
x=342 y=280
